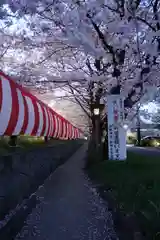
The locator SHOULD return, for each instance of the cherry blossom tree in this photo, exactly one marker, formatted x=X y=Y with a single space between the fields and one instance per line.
x=101 y=45
x=122 y=36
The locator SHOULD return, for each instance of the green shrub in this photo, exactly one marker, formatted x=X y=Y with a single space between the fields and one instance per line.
x=150 y=142
x=131 y=139
x=145 y=143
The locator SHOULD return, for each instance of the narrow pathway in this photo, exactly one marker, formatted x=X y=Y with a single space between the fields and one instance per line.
x=70 y=208
x=149 y=151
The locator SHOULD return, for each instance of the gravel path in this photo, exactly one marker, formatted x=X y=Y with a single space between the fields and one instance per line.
x=70 y=208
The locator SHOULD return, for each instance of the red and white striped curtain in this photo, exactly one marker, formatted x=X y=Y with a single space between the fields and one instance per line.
x=23 y=113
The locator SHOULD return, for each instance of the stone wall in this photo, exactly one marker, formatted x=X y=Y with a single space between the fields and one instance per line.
x=23 y=171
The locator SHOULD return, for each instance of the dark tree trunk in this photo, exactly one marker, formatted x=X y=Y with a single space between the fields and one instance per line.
x=138 y=136
x=138 y=129
x=46 y=139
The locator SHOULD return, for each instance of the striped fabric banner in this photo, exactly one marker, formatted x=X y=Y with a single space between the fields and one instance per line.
x=22 y=113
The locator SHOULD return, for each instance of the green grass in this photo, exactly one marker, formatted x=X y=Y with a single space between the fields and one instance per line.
x=3 y=145
x=29 y=142
x=24 y=143
x=135 y=187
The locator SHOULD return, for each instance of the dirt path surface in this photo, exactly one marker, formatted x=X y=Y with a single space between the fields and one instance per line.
x=69 y=208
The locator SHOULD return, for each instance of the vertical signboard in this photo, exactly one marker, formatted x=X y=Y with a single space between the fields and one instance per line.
x=116 y=132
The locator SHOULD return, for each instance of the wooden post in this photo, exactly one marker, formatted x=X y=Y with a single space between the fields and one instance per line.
x=13 y=141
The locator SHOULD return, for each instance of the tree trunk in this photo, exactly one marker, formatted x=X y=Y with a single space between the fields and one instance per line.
x=97 y=131
x=138 y=136
x=138 y=129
